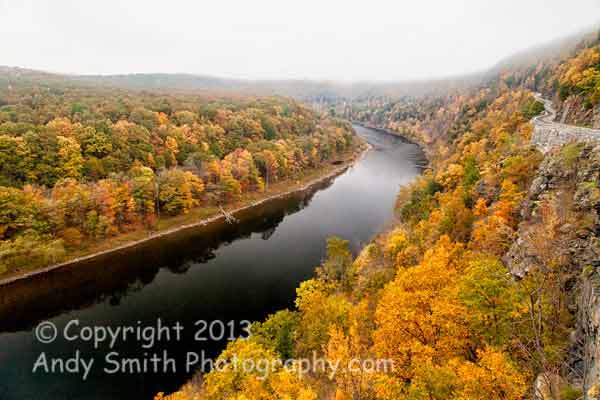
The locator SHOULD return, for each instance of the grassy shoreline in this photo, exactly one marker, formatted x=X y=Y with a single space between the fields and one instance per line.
x=199 y=216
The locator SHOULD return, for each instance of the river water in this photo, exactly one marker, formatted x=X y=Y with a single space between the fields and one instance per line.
x=221 y=273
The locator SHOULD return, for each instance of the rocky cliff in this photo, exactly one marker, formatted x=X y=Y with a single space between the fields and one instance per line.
x=574 y=110
x=560 y=229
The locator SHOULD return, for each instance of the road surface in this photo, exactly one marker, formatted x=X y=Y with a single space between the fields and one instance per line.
x=549 y=134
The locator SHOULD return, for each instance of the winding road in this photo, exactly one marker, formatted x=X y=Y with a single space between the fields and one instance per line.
x=548 y=134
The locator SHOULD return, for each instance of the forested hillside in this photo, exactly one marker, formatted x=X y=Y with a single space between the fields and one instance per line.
x=79 y=164
x=566 y=71
x=435 y=293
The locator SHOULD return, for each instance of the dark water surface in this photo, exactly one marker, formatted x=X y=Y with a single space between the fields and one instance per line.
x=225 y=272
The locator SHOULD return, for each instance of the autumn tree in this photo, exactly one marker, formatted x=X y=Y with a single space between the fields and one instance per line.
x=179 y=191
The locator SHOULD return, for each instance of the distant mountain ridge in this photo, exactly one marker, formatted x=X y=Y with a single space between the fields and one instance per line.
x=314 y=90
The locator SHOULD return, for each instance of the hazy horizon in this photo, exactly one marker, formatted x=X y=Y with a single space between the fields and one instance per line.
x=336 y=41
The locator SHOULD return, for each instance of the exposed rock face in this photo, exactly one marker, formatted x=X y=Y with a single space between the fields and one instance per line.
x=545 y=387
x=574 y=111
x=569 y=179
x=573 y=176
x=585 y=348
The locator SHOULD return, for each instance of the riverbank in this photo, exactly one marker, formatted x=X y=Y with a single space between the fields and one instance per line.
x=224 y=272
x=200 y=216
x=423 y=147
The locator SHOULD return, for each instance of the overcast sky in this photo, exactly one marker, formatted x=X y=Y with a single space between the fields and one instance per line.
x=317 y=39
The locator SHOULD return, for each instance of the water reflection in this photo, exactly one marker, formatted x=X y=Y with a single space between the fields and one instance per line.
x=222 y=272
x=114 y=276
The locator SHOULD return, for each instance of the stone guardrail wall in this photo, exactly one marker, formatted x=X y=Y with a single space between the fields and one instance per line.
x=548 y=134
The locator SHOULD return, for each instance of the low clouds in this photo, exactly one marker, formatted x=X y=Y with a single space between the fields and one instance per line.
x=336 y=40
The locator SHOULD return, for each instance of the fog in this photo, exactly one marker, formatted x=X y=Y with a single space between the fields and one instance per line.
x=376 y=40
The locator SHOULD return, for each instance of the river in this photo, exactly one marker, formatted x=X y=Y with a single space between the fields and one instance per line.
x=224 y=272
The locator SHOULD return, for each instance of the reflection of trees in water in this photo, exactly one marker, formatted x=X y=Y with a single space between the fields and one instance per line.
x=4 y=392
x=112 y=277
x=266 y=235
